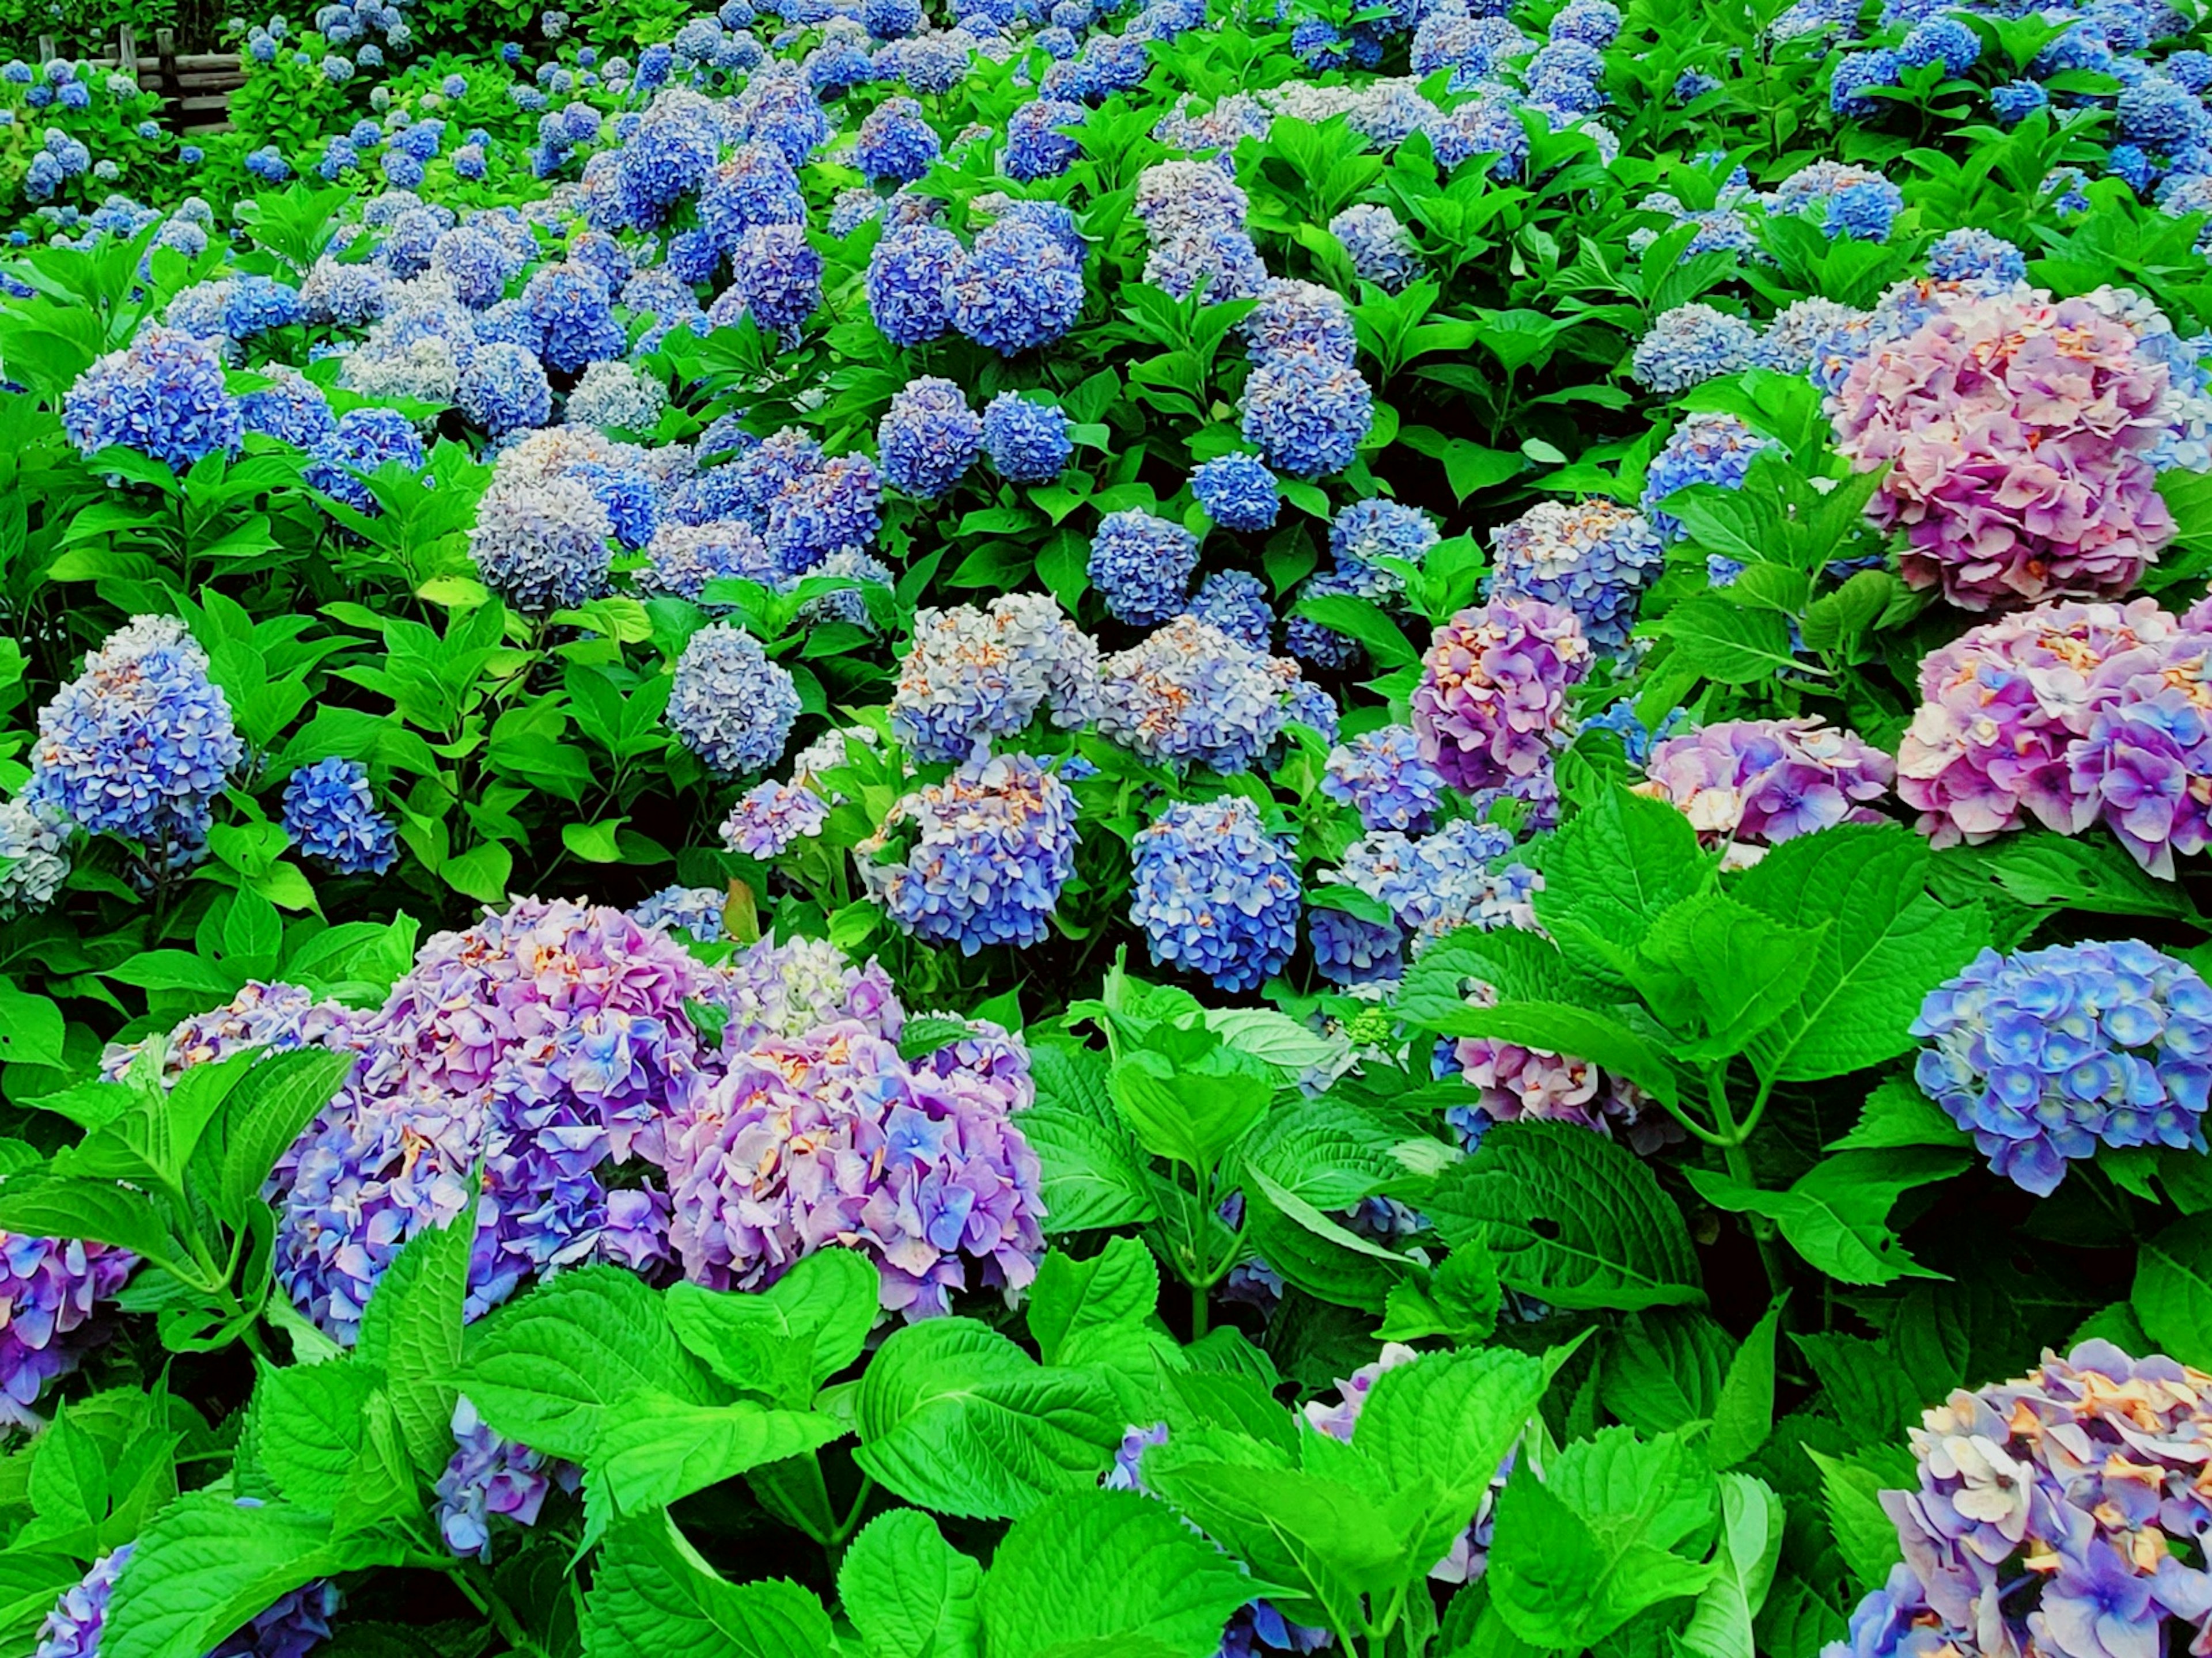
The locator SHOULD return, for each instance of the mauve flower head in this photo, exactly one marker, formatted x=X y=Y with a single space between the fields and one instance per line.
x=1760 y=782
x=1594 y=557
x=551 y=1044
x=979 y=859
x=1492 y=699
x=1516 y=1084
x=2016 y=432
x=2046 y=1055
x=830 y=1137
x=2002 y=704
x=50 y=1289
x=1188 y=691
x=141 y=743
x=973 y=674
x=1215 y=894
x=2077 y=1483
x=2145 y=767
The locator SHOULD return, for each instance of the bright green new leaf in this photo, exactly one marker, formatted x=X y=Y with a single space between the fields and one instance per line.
x=653 y=1597
x=1117 y=1289
x=909 y=1593
x=786 y=1340
x=1837 y=1213
x=412 y=1332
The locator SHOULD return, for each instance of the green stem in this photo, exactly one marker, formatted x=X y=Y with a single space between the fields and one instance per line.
x=1199 y=1295
x=1738 y=1159
x=502 y=1617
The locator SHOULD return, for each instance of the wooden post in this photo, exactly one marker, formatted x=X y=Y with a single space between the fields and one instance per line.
x=45 y=49
x=126 y=53
x=165 y=56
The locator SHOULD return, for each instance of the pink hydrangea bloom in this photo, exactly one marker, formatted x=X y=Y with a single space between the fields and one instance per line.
x=1494 y=688
x=2017 y=432
x=2001 y=706
x=1764 y=781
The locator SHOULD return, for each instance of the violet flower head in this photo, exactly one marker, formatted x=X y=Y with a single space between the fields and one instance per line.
x=2044 y=1056
x=1492 y=699
x=1760 y=782
x=50 y=1290
x=488 y=1478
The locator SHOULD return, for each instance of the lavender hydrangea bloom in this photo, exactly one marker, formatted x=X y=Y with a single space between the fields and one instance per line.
x=1594 y=557
x=141 y=743
x=1215 y=894
x=975 y=674
x=896 y=144
x=50 y=1289
x=291 y=1628
x=1019 y=288
x=977 y=860
x=770 y=817
x=1141 y=565
x=731 y=706
x=488 y=1477
x=1760 y=782
x=331 y=814
x=829 y=1137
x=929 y=438
x=2044 y=1056
x=835 y=506
x=2145 y=766
x=1492 y=691
x=163 y=395
x=541 y=544
x=1382 y=774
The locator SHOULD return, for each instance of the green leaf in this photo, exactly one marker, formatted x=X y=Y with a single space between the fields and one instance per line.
x=203 y=1567
x=31 y=1028
x=412 y=1331
x=786 y=1340
x=1897 y=1113
x=1192 y=1118
x=1584 y=1550
x=1836 y=1214
x=1729 y=643
x=1571 y=1217
x=1665 y=1369
x=655 y=1449
x=955 y=1417
x=1563 y=1028
x=1094 y=1172
x=1850 y=1491
x=1617 y=866
x=2173 y=1293
x=305 y=1424
x=545 y=1368
x=1743 y=969
x=909 y=1593
x=267 y=1111
x=1750 y=1548
x=1887 y=945
x=653 y=1597
x=482 y=872
x=1743 y=1415
x=99 y=1212
x=30 y=1583
x=1100 y=1566
x=1117 y=1289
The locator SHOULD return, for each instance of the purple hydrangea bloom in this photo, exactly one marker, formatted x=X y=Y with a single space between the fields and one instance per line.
x=1142 y=565
x=929 y=438
x=488 y=1478
x=331 y=813
x=291 y=1628
x=1760 y=782
x=2145 y=766
x=1215 y=894
x=779 y=274
x=829 y=1137
x=2044 y=1056
x=975 y=674
x=979 y=859
x=769 y=817
x=834 y=507
x=140 y=743
x=896 y=144
x=1594 y=557
x=1492 y=693
x=50 y=1289
x=731 y=706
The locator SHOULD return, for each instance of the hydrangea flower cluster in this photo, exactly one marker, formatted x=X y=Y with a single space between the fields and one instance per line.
x=294 y=1626
x=139 y=745
x=1027 y=442
x=162 y=394
x=1760 y=782
x=1715 y=448
x=331 y=813
x=1306 y=407
x=489 y=1477
x=1595 y=557
x=979 y=859
x=1216 y=894
x=696 y=910
x=929 y=438
x=1691 y=345
x=973 y=674
x=1382 y=774
x=2016 y=430
x=1141 y=565
x=1514 y=1083
x=770 y=818
x=50 y=1290
x=730 y=705
x=1493 y=693
x=1237 y=491
x=1188 y=691
x=829 y=1137
x=2050 y=1513
x=34 y=859
x=2044 y=1056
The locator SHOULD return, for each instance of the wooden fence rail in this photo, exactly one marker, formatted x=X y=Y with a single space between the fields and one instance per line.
x=195 y=87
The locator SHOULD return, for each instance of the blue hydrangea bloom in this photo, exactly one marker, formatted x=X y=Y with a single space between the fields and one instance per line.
x=162 y=394
x=2015 y=100
x=362 y=440
x=896 y=145
x=731 y=706
x=1705 y=448
x=1856 y=73
x=1382 y=775
x=1036 y=148
x=1594 y=557
x=141 y=743
x=929 y=438
x=1215 y=894
x=1027 y=442
x=778 y=273
x=1944 y=40
x=569 y=307
x=979 y=859
x=2046 y=1055
x=1142 y=565
x=293 y=409
x=1018 y=288
x=504 y=389
x=331 y=813
x=697 y=910
x=1971 y=255
x=1237 y=491
x=1307 y=413
x=1236 y=602
x=909 y=281
x=1691 y=345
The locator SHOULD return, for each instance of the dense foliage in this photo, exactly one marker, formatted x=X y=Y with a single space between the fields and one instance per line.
x=1050 y=832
